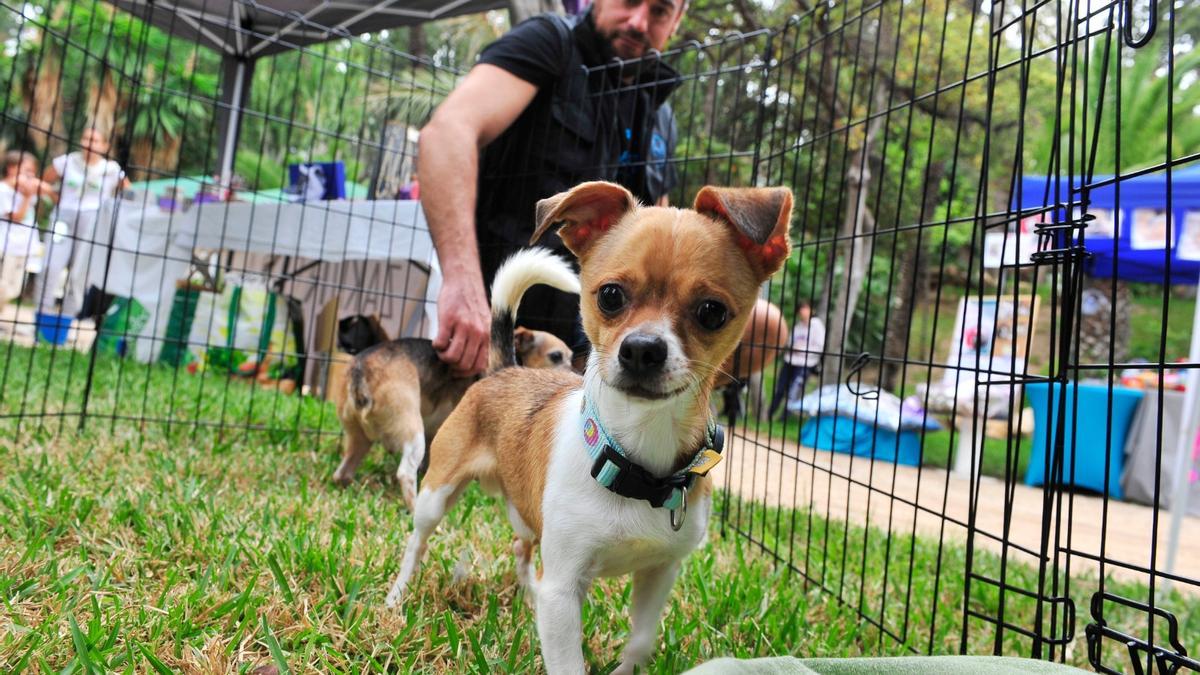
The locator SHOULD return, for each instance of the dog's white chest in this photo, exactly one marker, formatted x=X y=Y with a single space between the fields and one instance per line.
x=602 y=532
x=644 y=538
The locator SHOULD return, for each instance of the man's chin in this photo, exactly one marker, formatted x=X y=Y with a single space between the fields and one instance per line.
x=628 y=50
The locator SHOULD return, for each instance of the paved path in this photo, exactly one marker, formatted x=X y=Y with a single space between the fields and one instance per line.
x=836 y=485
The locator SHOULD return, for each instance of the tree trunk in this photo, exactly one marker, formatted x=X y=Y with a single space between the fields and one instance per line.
x=42 y=101
x=519 y=10
x=416 y=41
x=141 y=158
x=165 y=158
x=909 y=285
x=102 y=102
x=856 y=221
x=1099 y=306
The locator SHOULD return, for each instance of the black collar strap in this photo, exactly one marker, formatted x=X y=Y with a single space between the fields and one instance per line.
x=612 y=468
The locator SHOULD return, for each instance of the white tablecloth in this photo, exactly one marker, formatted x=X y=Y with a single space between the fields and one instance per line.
x=151 y=249
x=1141 y=457
x=329 y=231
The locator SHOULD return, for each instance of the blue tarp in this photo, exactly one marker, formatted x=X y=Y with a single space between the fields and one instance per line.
x=861 y=438
x=1140 y=253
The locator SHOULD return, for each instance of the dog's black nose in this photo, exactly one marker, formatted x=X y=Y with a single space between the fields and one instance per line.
x=642 y=354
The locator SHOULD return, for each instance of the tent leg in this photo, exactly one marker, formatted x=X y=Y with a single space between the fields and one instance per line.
x=1183 y=463
x=970 y=446
x=237 y=72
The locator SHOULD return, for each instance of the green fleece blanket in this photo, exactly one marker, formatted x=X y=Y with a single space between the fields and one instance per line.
x=923 y=665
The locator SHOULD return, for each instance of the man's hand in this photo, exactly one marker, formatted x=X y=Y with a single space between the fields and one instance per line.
x=464 y=326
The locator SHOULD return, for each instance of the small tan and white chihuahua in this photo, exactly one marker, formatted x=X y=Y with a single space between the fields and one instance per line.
x=607 y=471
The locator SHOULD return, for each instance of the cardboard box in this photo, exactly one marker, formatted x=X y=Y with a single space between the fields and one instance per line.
x=335 y=379
x=328 y=361
x=330 y=368
x=998 y=429
x=325 y=328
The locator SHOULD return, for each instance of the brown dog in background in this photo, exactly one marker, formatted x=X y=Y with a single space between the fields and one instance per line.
x=398 y=393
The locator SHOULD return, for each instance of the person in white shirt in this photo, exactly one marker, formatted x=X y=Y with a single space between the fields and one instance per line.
x=87 y=179
x=19 y=193
x=808 y=341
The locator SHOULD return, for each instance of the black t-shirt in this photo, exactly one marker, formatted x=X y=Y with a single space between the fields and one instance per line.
x=533 y=51
x=588 y=121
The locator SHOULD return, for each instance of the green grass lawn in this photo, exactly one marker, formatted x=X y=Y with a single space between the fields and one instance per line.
x=1146 y=326
x=146 y=546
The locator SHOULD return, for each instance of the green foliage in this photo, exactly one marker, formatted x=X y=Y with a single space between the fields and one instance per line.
x=1136 y=130
x=259 y=172
x=161 y=82
x=170 y=103
x=1147 y=327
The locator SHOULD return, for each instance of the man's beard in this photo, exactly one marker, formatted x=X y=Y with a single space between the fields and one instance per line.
x=635 y=36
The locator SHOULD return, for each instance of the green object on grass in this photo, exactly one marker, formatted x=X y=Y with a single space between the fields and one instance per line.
x=179 y=326
x=901 y=665
x=122 y=324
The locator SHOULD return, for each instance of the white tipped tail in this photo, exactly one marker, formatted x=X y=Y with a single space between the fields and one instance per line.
x=523 y=270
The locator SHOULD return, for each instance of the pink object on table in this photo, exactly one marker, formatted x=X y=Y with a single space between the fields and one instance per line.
x=1194 y=475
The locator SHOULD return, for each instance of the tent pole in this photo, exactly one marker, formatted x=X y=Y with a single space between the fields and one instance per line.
x=236 y=69
x=1183 y=464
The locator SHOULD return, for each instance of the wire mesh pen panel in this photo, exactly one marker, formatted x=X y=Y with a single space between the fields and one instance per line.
x=252 y=192
x=976 y=427
x=970 y=458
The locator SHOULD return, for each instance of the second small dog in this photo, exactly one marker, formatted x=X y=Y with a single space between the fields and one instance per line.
x=398 y=393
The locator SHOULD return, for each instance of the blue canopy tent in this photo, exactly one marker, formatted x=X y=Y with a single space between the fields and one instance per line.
x=1138 y=223
x=1138 y=226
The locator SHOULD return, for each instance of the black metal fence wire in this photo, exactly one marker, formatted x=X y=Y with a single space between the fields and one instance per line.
x=909 y=132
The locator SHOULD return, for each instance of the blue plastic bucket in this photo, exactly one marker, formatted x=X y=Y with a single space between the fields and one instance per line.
x=53 y=328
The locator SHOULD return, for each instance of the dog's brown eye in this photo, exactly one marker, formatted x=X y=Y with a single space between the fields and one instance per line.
x=611 y=298
x=555 y=357
x=711 y=314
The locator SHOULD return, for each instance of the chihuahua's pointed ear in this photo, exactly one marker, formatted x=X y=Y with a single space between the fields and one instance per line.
x=586 y=211
x=523 y=338
x=760 y=219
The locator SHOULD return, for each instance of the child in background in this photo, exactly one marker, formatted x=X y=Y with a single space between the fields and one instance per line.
x=808 y=341
x=19 y=193
x=88 y=179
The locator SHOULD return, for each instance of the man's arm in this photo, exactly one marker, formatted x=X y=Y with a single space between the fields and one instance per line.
x=483 y=105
